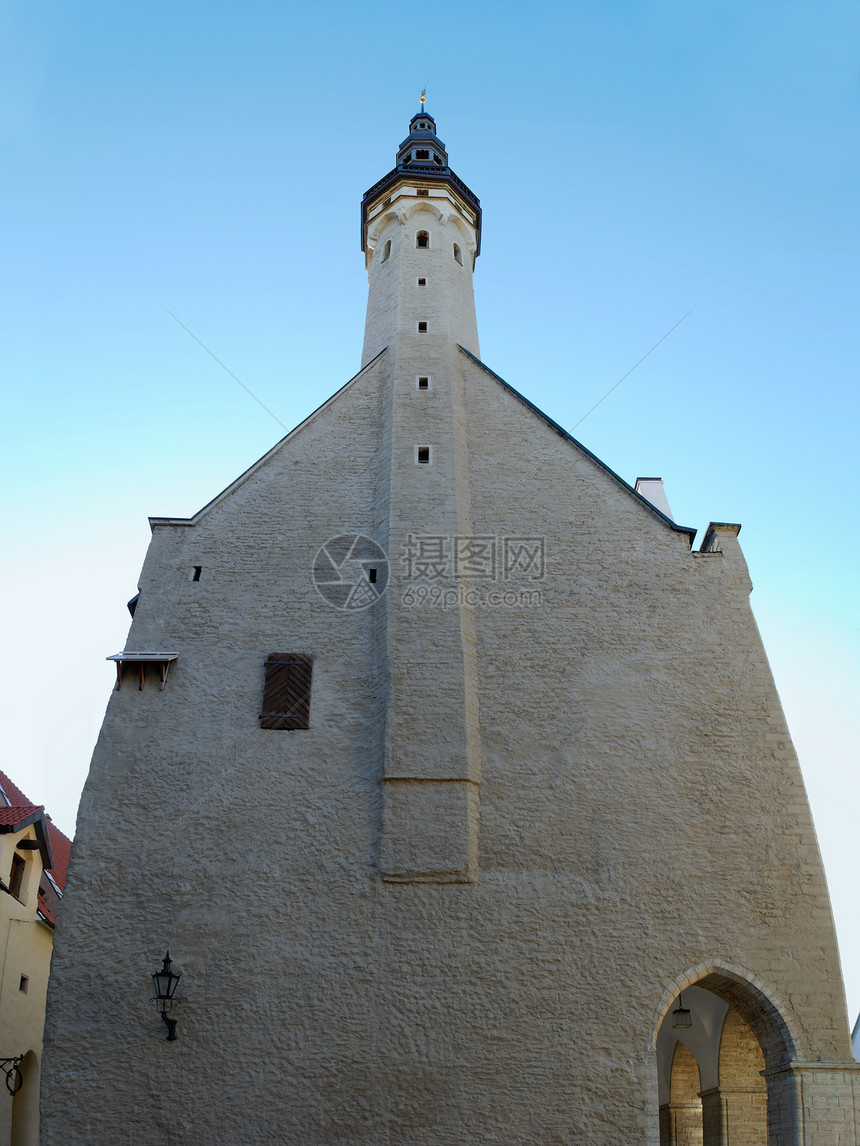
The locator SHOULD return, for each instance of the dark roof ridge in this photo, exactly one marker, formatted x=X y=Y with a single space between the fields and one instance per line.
x=690 y=531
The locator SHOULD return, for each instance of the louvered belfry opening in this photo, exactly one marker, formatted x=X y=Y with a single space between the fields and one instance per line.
x=287 y=692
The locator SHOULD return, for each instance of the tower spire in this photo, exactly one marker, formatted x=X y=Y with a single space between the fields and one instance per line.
x=420 y=225
x=421 y=161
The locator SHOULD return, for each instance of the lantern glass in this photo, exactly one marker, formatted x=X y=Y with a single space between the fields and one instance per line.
x=682 y=1017
x=165 y=980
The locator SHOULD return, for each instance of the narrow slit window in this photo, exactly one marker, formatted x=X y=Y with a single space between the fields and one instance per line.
x=16 y=875
x=422 y=239
x=24 y=985
x=422 y=327
x=423 y=455
x=371 y=575
x=386 y=250
x=458 y=255
x=196 y=570
x=423 y=383
x=287 y=691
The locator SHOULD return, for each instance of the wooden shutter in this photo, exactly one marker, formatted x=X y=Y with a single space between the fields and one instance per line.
x=287 y=692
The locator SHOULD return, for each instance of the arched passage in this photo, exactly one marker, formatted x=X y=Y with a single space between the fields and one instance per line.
x=736 y=1033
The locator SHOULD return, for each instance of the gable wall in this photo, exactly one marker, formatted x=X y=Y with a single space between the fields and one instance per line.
x=640 y=813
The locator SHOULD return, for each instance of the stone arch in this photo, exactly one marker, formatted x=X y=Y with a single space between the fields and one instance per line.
x=741 y=1030
x=424 y=205
x=25 y=1104
x=761 y=1006
x=467 y=240
x=381 y=223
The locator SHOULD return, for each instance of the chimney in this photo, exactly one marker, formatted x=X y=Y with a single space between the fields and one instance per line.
x=652 y=490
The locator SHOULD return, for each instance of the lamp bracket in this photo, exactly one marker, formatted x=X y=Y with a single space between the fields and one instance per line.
x=11 y=1067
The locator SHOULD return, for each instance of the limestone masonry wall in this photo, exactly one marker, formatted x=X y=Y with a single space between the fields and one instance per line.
x=641 y=813
x=546 y=787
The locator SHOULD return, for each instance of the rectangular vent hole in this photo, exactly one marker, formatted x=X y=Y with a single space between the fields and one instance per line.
x=423 y=383
x=423 y=453
x=422 y=327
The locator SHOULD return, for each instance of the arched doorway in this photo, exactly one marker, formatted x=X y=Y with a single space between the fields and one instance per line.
x=25 y=1104
x=681 y=1116
x=712 y=1050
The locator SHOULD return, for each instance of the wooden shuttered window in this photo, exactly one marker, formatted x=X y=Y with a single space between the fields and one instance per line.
x=287 y=692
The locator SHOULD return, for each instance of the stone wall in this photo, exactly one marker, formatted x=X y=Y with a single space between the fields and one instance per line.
x=640 y=808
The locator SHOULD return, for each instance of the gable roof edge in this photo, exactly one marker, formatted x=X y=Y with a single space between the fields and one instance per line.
x=153 y=521
x=562 y=432
x=34 y=817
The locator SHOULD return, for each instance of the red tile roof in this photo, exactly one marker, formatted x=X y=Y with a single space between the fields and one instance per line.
x=13 y=793
x=9 y=817
x=19 y=809
x=61 y=846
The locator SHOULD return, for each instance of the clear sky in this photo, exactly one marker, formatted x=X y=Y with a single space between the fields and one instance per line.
x=633 y=159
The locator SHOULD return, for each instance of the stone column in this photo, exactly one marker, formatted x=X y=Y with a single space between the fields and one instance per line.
x=681 y=1124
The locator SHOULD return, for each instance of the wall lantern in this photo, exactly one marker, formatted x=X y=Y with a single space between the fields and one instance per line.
x=165 y=982
x=681 y=1016
x=11 y=1067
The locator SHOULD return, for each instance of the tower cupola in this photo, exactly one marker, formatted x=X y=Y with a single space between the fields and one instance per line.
x=422 y=146
x=421 y=170
x=421 y=235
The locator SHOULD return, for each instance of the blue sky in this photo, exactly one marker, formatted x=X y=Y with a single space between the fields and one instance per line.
x=633 y=160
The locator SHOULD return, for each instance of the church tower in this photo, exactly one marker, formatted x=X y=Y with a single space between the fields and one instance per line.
x=421 y=233
x=456 y=783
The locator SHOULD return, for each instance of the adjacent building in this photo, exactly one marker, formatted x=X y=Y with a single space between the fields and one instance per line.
x=454 y=777
x=34 y=856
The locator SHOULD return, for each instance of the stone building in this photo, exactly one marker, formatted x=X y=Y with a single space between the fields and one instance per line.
x=456 y=782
